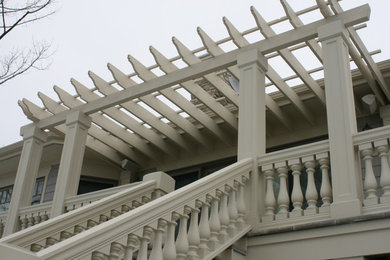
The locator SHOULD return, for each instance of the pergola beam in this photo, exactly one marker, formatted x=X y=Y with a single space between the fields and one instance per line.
x=283 y=40
x=182 y=103
x=221 y=111
x=120 y=116
x=35 y=113
x=215 y=50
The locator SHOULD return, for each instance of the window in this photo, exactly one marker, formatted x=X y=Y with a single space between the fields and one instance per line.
x=5 y=197
x=38 y=189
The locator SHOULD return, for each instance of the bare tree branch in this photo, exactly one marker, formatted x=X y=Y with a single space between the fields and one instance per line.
x=18 y=62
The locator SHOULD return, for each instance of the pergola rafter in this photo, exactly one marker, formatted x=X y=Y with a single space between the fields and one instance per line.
x=125 y=125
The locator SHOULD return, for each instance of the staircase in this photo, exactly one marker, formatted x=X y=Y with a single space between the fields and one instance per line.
x=123 y=226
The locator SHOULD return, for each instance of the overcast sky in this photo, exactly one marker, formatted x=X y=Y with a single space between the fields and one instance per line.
x=87 y=34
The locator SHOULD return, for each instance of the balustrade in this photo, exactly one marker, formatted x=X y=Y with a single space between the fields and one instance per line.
x=148 y=232
x=296 y=186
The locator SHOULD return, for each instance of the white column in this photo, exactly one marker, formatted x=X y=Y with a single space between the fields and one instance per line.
x=341 y=121
x=33 y=140
x=77 y=125
x=251 y=124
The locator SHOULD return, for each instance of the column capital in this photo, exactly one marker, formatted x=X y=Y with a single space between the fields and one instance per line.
x=252 y=56
x=332 y=30
x=78 y=117
x=32 y=131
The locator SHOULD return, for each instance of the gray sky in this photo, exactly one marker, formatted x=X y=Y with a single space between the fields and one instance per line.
x=87 y=34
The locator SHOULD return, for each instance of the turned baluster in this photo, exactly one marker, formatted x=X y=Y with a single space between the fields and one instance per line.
x=224 y=216
x=326 y=188
x=65 y=235
x=311 y=191
x=157 y=253
x=132 y=241
x=44 y=217
x=204 y=228
x=241 y=207
x=1 y=229
x=283 y=197
x=269 y=193
x=91 y=223
x=125 y=208
x=370 y=184
x=296 y=195
x=169 y=251
x=383 y=150
x=78 y=229
x=30 y=221
x=24 y=223
x=50 y=241
x=144 y=241
x=193 y=234
x=103 y=218
x=182 y=244
x=37 y=219
x=215 y=224
x=233 y=212
x=114 y=213
x=115 y=251
x=98 y=256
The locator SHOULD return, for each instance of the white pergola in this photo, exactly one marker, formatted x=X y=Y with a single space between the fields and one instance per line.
x=137 y=124
x=125 y=119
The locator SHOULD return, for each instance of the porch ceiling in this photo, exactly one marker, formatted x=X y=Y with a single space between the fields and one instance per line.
x=198 y=114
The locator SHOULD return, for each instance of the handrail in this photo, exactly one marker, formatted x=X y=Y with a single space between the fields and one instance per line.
x=371 y=135
x=148 y=215
x=67 y=222
x=291 y=153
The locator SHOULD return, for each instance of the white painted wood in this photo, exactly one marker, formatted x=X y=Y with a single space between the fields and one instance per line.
x=157 y=253
x=196 y=90
x=144 y=241
x=169 y=251
x=296 y=195
x=224 y=217
x=370 y=184
x=269 y=200
x=35 y=113
x=233 y=212
x=383 y=149
x=204 y=229
x=132 y=241
x=326 y=188
x=283 y=197
x=72 y=156
x=364 y=52
x=311 y=190
x=283 y=40
x=252 y=122
x=33 y=140
x=193 y=236
x=338 y=89
x=295 y=65
x=215 y=224
x=182 y=245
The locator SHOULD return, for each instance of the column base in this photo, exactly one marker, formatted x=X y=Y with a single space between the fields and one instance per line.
x=346 y=209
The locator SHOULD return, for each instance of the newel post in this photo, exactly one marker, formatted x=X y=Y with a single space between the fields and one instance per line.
x=33 y=141
x=77 y=125
x=341 y=118
x=251 y=125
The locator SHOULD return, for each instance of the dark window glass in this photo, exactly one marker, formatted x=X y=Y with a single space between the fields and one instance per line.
x=38 y=189
x=5 y=197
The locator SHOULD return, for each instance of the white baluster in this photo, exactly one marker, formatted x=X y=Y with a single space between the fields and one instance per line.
x=30 y=221
x=269 y=193
x=326 y=188
x=98 y=256
x=1 y=229
x=233 y=212
x=24 y=221
x=132 y=241
x=311 y=191
x=241 y=206
x=193 y=234
x=204 y=228
x=182 y=244
x=37 y=219
x=370 y=184
x=224 y=216
x=383 y=149
x=157 y=253
x=215 y=224
x=283 y=197
x=143 y=247
x=115 y=251
x=296 y=195
x=169 y=251
x=65 y=235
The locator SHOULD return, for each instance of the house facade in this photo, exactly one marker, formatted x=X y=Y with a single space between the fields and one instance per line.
x=222 y=158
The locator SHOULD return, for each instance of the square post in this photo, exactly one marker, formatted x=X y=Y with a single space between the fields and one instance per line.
x=33 y=140
x=72 y=156
x=341 y=118
x=251 y=124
